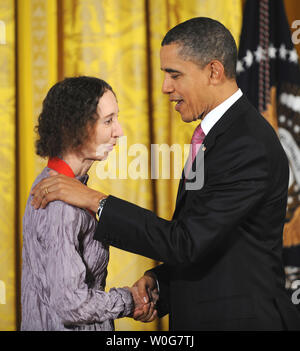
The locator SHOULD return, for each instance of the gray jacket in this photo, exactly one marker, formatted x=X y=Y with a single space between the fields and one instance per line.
x=64 y=271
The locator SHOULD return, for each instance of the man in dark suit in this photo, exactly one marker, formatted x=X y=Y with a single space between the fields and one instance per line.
x=222 y=250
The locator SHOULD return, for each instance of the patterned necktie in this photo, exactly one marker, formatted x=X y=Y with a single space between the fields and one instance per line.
x=197 y=140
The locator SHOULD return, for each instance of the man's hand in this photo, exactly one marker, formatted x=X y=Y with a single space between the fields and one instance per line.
x=145 y=312
x=147 y=291
x=70 y=190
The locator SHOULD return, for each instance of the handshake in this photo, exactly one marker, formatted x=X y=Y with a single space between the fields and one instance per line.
x=145 y=296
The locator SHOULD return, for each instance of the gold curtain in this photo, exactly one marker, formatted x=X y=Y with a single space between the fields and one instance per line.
x=118 y=41
x=7 y=170
x=112 y=40
x=37 y=72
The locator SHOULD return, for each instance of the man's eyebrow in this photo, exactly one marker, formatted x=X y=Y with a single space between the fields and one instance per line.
x=170 y=70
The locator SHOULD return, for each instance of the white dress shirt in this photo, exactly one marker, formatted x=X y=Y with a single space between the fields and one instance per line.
x=214 y=115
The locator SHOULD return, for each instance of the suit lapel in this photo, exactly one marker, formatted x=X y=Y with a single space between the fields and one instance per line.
x=180 y=187
x=223 y=124
x=238 y=108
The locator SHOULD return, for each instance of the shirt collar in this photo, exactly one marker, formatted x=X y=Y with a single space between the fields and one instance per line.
x=214 y=115
x=60 y=166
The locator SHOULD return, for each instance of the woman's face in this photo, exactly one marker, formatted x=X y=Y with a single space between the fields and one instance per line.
x=104 y=133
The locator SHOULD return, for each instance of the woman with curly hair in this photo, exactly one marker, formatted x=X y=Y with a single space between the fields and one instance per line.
x=64 y=269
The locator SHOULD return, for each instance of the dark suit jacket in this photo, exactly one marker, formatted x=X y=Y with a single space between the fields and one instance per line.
x=222 y=251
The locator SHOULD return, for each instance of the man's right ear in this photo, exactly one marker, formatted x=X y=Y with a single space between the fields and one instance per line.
x=216 y=71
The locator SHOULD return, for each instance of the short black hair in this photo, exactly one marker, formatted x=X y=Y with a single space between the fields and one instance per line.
x=202 y=40
x=68 y=110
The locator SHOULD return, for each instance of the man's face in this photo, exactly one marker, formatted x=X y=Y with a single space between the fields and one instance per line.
x=185 y=83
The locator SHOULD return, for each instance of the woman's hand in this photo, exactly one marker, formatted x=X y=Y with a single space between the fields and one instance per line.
x=69 y=190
